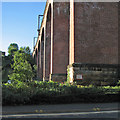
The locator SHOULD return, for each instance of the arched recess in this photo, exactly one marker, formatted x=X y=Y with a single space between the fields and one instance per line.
x=42 y=53
x=49 y=13
x=48 y=44
x=39 y=59
x=36 y=56
x=36 y=59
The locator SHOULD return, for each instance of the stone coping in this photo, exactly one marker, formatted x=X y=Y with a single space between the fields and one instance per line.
x=94 y=65
x=61 y=74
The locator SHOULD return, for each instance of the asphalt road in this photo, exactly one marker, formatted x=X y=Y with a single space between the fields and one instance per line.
x=98 y=114
x=57 y=108
x=99 y=111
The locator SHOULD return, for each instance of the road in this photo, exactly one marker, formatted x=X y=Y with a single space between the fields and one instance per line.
x=97 y=114
x=78 y=107
x=89 y=110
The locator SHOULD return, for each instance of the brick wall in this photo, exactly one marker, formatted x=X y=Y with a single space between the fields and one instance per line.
x=60 y=36
x=58 y=77
x=78 y=32
x=96 y=33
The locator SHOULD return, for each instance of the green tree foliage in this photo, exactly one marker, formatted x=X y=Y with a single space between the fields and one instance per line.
x=6 y=67
x=7 y=61
x=28 y=55
x=22 y=66
x=12 y=48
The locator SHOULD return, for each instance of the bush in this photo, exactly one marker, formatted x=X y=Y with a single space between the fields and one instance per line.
x=15 y=93
x=118 y=83
x=37 y=92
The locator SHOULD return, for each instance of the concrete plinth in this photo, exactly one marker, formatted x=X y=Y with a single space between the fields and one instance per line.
x=93 y=74
x=58 y=77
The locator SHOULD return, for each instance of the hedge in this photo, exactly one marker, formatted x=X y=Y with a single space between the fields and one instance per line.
x=36 y=92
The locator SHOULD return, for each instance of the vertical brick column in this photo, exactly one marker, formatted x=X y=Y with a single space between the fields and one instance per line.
x=60 y=36
x=51 y=58
x=44 y=54
x=59 y=39
x=119 y=40
x=71 y=48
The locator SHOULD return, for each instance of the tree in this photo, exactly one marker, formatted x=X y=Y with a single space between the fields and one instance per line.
x=7 y=61
x=12 y=49
x=6 y=67
x=28 y=54
x=23 y=66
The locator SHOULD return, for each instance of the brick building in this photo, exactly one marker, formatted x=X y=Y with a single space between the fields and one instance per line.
x=78 y=41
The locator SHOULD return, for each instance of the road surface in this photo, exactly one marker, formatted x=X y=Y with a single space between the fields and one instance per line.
x=89 y=110
x=97 y=114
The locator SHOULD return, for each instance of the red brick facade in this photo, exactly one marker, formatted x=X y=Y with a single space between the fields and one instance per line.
x=60 y=37
x=96 y=33
x=76 y=32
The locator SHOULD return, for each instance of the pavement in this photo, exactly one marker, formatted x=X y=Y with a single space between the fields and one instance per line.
x=59 y=108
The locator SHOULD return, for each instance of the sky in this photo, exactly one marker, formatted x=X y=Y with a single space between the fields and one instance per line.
x=20 y=23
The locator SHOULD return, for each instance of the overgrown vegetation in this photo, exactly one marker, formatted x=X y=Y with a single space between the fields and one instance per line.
x=18 y=65
x=6 y=67
x=23 y=88
x=36 y=92
x=12 y=49
x=22 y=66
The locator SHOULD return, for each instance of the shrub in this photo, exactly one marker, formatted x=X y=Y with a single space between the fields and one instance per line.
x=37 y=92
x=118 y=83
